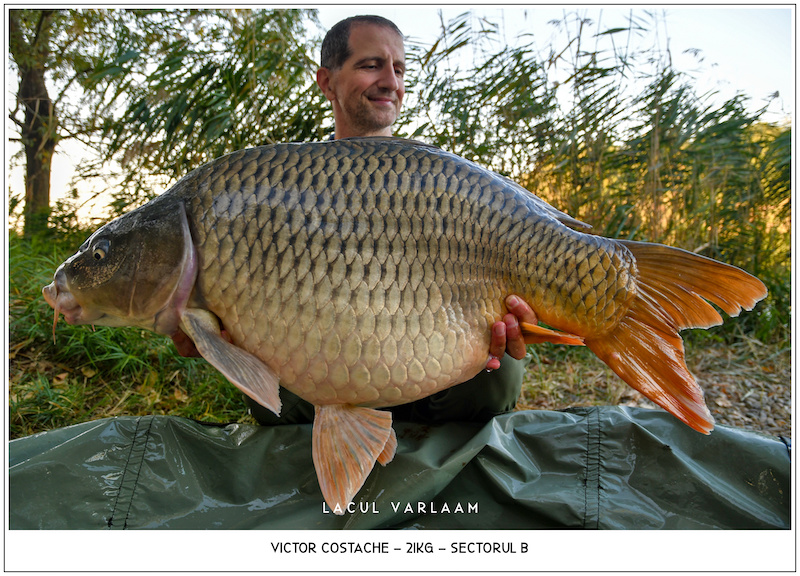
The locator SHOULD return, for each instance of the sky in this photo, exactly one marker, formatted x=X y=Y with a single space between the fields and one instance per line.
x=743 y=49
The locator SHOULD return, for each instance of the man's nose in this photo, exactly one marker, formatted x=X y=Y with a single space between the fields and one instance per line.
x=388 y=79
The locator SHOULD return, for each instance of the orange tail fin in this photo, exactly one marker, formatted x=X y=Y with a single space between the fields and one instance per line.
x=645 y=350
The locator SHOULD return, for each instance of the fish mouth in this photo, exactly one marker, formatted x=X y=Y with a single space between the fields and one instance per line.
x=60 y=299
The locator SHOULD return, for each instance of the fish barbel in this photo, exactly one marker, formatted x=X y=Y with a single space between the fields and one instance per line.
x=366 y=273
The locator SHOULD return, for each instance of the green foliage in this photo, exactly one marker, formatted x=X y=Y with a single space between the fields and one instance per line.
x=619 y=139
x=154 y=93
x=469 y=104
x=221 y=80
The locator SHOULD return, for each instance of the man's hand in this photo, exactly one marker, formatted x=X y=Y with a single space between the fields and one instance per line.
x=507 y=335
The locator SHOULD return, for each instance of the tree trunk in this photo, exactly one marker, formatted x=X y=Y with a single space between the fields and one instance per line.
x=38 y=137
x=39 y=134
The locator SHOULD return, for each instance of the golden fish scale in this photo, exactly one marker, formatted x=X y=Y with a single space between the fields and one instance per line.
x=370 y=273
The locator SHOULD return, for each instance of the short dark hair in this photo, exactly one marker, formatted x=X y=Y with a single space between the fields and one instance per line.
x=336 y=45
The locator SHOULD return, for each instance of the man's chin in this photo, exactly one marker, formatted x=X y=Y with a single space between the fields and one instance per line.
x=378 y=123
x=384 y=109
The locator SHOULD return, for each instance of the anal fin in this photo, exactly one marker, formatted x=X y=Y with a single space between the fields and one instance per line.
x=245 y=371
x=534 y=334
x=346 y=442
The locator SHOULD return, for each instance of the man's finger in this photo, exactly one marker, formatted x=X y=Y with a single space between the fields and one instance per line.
x=515 y=343
x=497 y=348
x=518 y=311
x=519 y=308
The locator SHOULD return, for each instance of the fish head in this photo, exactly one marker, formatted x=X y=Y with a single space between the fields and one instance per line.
x=137 y=270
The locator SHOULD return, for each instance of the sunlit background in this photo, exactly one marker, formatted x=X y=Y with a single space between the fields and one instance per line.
x=727 y=50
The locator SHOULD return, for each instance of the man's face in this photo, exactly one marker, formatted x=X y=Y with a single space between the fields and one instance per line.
x=367 y=91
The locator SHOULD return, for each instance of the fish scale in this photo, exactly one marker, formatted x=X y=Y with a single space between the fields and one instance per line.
x=399 y=249
x=365 y=273
x=477 y=210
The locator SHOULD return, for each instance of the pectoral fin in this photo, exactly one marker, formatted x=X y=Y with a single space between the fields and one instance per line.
x=346 y=442
x=245 y=371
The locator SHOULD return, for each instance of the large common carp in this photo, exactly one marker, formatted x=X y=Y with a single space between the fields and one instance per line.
x=366 y=273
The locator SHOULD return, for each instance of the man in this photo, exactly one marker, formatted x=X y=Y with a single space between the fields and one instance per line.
x=362 y=72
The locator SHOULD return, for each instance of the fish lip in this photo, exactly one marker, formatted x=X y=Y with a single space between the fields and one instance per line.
x=50 y=293
x=66 y=304
x=60 y=299
x=73 y=316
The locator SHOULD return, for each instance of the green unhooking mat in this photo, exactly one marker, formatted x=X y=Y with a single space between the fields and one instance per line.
x=606 y=467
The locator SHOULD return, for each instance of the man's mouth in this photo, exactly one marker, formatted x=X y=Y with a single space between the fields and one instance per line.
x=383 y=100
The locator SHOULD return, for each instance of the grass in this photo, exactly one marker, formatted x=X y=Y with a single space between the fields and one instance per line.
x=747 y=383
x=54 y=385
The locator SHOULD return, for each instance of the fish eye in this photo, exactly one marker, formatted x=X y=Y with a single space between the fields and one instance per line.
x=100 y=250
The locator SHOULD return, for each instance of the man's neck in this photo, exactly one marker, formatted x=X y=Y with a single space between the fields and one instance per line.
x=341 y=132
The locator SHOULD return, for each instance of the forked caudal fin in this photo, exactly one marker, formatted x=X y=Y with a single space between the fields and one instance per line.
x=346 y=441
x=645 y=350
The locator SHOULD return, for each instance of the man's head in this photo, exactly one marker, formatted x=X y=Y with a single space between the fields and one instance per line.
x=362 y=70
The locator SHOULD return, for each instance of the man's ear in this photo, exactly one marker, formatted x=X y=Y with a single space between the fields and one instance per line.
x=324 y=82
